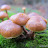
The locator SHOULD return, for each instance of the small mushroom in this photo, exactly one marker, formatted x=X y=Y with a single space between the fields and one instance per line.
x=33 y=14
x=5 y=7
x=9 y=29
x=3 y=15
x=24 y=9
x=19 y=18
x=36 y=23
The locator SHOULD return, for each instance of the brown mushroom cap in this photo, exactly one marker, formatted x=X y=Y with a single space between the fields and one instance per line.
x=36 y=23
x=20 y=19
x=5 y=7
x=32 y=14
x=10 y=30
x=3 y=15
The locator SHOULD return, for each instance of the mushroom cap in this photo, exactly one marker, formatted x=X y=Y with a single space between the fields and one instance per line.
x=23 y=8
x=5 y=7
x=3 y=15
x=9 y=29
x=32 y=14
x=44 y=19
x=36 y=23
x=20 y=19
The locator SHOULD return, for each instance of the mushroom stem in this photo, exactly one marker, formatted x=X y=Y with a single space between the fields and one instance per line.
x=24 y=30
x=2 y=19
x=7 y=13
x=22 y=36
x=24 y=11
x=33 y=35
x=28 y=34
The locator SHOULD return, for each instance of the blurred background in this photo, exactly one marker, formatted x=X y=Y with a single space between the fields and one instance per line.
x=31 y=6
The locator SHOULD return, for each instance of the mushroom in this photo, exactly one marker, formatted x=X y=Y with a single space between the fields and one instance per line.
x=5 y=7
x=24 y=9
x=3 y=15
x=20 y=19
x=9 y=29
x=36 y=23
x=33 y=14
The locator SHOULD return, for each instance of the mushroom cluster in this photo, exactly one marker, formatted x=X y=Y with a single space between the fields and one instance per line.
x=5 y=7
x=16 y=24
